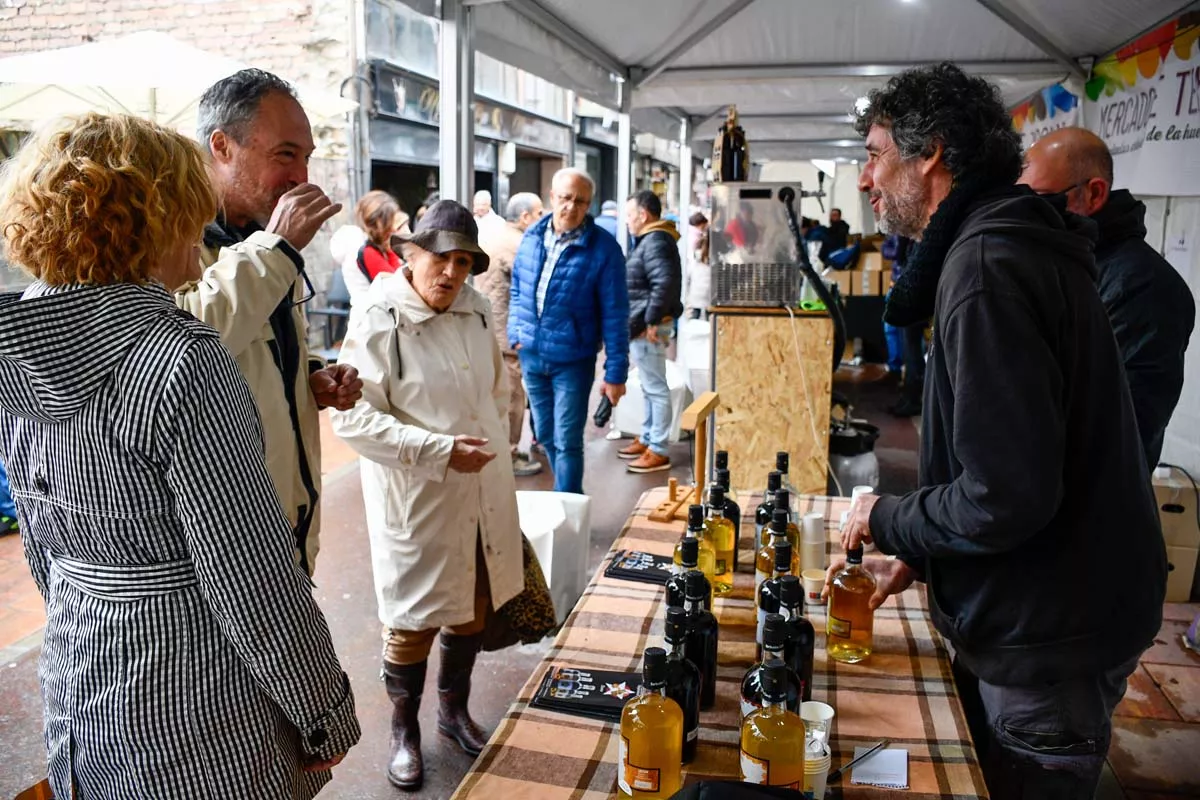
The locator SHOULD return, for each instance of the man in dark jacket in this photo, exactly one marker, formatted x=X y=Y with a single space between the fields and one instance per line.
x=568 y=297
x=1033 y=495
x=654 y=276
x=1149 y=303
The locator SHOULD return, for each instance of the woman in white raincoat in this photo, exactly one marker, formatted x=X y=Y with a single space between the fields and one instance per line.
x=441 y=508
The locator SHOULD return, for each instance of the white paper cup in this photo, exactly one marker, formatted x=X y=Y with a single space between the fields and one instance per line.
x=816 y=771
x=814 y=583
x=818 y=719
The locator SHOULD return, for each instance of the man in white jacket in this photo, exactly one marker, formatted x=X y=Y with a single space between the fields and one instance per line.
x=253 y=284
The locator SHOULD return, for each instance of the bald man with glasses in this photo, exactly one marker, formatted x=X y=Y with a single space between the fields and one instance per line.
x=568 y=299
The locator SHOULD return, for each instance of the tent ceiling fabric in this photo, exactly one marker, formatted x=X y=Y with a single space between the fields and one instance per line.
x=727 y=65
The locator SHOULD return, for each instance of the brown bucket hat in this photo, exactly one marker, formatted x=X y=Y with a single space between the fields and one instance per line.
x=448 y=226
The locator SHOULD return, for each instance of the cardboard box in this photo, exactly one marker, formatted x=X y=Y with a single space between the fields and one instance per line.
x=870 y=261
x=842 y=277
x=1177 y=510
x=866 y=282
x=1181 y=572
x=885 y=281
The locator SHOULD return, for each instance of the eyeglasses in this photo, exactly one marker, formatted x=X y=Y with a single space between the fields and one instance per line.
x=310 y=291
x=570 y=200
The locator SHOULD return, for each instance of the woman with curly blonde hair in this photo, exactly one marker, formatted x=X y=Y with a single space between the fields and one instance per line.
x=184 y=655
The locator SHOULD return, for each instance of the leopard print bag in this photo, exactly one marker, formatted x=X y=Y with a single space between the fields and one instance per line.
x=529 y=616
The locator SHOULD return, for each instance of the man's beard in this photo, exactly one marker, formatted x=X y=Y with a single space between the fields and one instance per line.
x=904 y=210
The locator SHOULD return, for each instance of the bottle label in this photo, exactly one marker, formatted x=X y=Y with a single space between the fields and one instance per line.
x=631 y=777
x=754 y=770
x=721 y=568
x=759 y=577
x=762 y=622
x=839 y=627
x=694 y=733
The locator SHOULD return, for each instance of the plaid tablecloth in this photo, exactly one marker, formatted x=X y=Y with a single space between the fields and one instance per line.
x=903 y=692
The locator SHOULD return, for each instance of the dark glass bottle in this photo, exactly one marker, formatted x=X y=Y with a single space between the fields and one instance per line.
x=801 y=637
x=702 y=635
x=768 y=594
x=683 y=679
x=762 y=514
x=775 y=637
x=783 y=463
x=689 y=549
x=733 y=512
x=731 y=161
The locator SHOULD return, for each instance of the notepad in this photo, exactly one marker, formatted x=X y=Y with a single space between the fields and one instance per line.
x=887 y=768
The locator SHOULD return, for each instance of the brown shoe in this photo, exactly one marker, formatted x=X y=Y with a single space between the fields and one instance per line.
x=405 y=684
x=632 y=451
x=650 y=461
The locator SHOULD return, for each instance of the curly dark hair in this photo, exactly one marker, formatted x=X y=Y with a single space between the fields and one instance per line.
x=941 y=104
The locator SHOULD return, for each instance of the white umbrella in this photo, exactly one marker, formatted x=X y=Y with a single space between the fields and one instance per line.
x=149 y=74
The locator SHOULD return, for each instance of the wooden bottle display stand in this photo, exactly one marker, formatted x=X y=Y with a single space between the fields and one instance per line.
x=695 y=418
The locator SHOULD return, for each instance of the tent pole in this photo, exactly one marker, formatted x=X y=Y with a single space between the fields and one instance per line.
x=456 y=106
x=624 y=162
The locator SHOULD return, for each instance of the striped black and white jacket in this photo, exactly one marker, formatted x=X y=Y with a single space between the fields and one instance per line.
x=184 y=654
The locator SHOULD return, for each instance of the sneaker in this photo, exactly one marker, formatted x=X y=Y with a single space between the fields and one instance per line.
x=7 y=525
x=649 y=461
x=632 y=451
x=523 y=466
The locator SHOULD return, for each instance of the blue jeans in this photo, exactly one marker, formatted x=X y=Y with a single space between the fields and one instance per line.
x=651 y=362
x=558 y=401
x=7 y=508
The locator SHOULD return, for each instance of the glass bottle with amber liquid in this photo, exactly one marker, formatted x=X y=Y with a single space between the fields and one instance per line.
x=651 y=747
x=718 y=530
x=702 y=638
x=783 y=500
x=683 y=679
x=850 y=626
x=764 y=560
x=774 y=647
x=706 y=557
x=689 y=548
x=762 y=514
x=800 y=646
x=733 y=512
x=772 y=752
x=767 y=597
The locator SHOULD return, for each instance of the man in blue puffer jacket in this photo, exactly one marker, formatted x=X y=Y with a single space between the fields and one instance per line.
x=568 y=298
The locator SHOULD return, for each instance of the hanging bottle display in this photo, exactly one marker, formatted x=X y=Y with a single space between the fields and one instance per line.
x=731 y=153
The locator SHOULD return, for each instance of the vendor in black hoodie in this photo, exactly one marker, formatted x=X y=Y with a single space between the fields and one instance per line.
x=1035 y=527
x=1147 y=300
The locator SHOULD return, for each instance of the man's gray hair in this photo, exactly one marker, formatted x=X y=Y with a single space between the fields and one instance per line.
x=520 y=204
x=575 y=172
x=231 y=104
x=483 y=196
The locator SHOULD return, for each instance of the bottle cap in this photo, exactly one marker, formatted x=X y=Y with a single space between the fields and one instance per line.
x=689 y=551
x=676 y=626
x=791 y=593
x=722 y=459
x=723 y=479
x=781 y=461
x=774 y=481
x=779 y=520
x=695 y=586
x=695 y=516
x=773 y=680
x=774 y=632
x=716 y=497
x=654 y=668
x=854 y=556
x=783 y=556
x=783 y=499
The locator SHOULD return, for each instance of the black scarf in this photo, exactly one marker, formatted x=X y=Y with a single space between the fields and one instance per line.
x=913 y=295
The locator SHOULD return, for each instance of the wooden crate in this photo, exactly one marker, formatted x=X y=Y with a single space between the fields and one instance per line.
x=763 y=405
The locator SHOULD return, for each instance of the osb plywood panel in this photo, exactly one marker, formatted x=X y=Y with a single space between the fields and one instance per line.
x=764 y=407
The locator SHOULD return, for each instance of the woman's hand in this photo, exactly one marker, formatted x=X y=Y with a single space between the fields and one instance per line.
x=892 y=576
x=321 y=766
x=468 y=454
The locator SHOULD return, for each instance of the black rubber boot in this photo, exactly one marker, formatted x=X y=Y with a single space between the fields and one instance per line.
x=454 y=689
x=405 y=685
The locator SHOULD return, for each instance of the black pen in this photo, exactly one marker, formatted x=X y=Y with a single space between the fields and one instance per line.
x=837 y=773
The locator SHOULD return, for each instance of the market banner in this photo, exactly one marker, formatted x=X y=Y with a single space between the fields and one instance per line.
x=1144 y=101
x=1052 y=108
